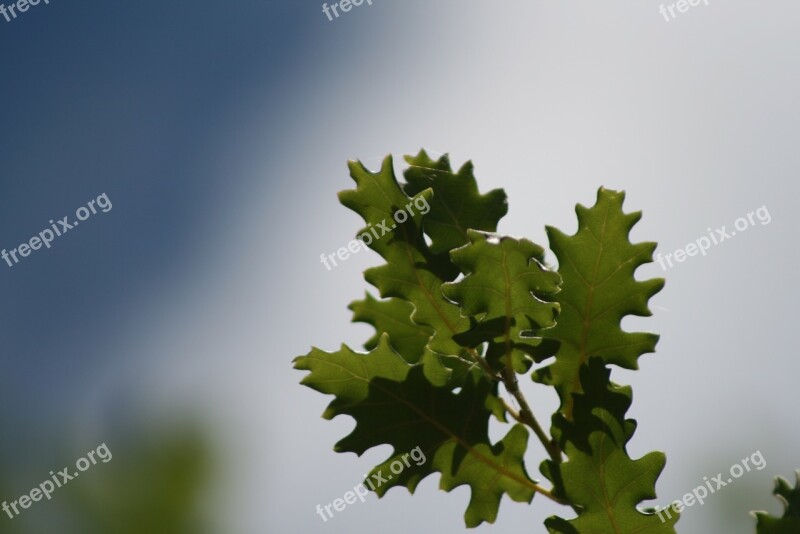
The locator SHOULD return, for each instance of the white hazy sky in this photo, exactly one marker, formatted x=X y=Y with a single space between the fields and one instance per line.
x=695 y=118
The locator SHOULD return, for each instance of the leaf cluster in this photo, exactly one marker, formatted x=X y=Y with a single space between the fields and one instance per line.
x=461 y=313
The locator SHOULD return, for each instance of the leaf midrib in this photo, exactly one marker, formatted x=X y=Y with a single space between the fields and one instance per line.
x=441 y=428
x=587 y=318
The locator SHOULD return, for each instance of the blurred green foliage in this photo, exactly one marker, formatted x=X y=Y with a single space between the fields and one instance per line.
x=153 y=484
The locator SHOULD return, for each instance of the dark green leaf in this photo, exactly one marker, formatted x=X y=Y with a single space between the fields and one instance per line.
x=597 y=266
x=393 y=403
x=599 y=478
x=790 y=522
x=392 y=316
x=506 y=292
x=457 y=205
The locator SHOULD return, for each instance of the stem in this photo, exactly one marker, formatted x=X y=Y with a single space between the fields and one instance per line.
x=484 y=364
x=526 y=416
x=500 y=468
x=514 y=413
x=549 y=495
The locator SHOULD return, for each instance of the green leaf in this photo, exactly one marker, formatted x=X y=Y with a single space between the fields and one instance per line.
x=600 y=478
x=457 y=205
x=411 y=273
x=507 y=292
x=597 y=266
x=790 y=522
x=392 y=316
x=393 y=403
x=490 y=471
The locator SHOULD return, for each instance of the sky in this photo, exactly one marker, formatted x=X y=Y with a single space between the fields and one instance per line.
x=220 y=135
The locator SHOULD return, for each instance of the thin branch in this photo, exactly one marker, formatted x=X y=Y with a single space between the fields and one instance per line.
x=526 y=414
x=549 y=494
x=514 y=413
x=484 y=365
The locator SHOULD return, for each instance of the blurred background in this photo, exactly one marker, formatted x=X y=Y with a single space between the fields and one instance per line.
x=165 y=328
